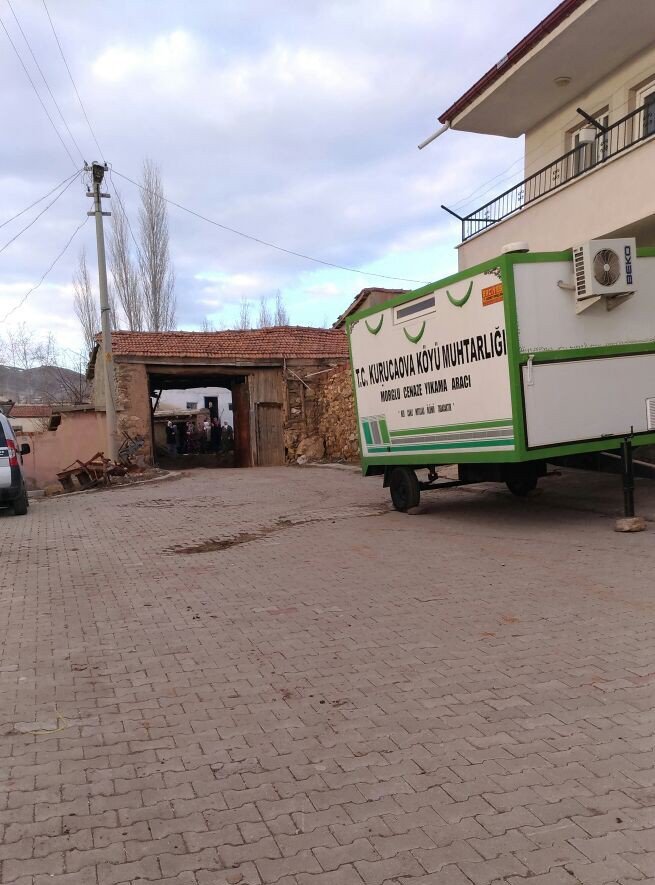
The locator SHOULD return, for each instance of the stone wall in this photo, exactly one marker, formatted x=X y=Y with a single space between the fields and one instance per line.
x=320 y=421
x=337 y=423
x=301 y=424
x=132 y=402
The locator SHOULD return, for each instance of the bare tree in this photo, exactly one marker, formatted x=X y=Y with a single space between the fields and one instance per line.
x=68 y=378
x=265 y=319
x=85 y=303
x=125 y=278
x=157 y=277
x=23 y=351
x=207 y=325
x=37 y=369
x=244 y=321
x=281 y=313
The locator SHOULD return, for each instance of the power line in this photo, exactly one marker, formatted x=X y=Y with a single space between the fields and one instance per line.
x=35 y=287
x=261 y=242
x=61 y=52
x=40 y=200
x=36 y=92
x=36 y=218
x=47 y=85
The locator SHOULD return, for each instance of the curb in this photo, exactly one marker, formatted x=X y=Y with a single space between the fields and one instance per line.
x=173 y=474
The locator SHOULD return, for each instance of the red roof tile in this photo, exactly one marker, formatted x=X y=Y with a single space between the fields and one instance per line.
x=27 y=410
x=278 y=342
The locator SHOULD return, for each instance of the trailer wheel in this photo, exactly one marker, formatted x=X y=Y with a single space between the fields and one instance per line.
x=404 y=488
x=522 y=486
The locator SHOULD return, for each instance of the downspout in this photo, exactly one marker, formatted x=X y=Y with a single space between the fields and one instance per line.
x=435 y=135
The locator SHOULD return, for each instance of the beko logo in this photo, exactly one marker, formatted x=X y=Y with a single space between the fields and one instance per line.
x=627 y=252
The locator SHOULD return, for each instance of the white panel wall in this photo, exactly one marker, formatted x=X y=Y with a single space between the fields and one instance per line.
x=587 y=399
x=548 y=321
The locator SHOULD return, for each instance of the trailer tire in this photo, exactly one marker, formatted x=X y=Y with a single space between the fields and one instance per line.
x=404 y=489
x=522 y=486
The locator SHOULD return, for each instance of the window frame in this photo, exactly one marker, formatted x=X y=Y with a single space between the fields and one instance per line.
x=644 y=123
x=588 y=155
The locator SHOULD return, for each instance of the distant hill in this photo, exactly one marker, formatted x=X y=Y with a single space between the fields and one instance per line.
x=43 y=384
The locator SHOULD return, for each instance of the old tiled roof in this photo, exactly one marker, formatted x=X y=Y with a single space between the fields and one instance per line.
x=27 y=410
x=278 y=342
x=359 y=300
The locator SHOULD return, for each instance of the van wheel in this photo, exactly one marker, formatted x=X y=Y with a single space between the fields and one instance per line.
x=522 y=486
x=21 y=503
x=404 y=488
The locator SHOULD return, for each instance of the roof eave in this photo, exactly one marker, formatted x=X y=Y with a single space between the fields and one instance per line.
x=536 y=35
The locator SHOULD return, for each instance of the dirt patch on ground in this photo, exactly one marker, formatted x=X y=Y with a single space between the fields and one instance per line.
x=211 y=545
x=199 y=503
x=282 y=523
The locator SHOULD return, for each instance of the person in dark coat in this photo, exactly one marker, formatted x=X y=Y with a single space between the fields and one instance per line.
x=215 y=435
x=171 y=438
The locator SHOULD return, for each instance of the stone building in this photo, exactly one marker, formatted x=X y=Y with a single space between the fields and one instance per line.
x=371 y=297
x=275 y=377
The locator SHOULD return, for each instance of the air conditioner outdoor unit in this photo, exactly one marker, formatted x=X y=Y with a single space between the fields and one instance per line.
x=604 y=269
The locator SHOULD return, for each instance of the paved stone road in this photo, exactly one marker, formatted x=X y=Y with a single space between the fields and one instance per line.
x=267 y=677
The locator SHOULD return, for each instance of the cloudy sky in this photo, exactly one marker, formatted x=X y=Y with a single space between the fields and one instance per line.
x=293 y=120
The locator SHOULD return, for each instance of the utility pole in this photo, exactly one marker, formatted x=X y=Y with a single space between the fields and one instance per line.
x=98 y=173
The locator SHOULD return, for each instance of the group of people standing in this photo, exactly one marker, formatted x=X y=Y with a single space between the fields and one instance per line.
x=187 y=438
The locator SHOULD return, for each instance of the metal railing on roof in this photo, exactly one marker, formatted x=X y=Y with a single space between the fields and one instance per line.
x=612 y=140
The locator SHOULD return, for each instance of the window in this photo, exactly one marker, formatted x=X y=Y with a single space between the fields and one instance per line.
x=648 y=126
x=645 y=120
x=192 y=405
x=588 y=153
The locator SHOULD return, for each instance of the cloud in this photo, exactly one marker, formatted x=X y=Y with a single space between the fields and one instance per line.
x=297 y=123
x=160 y=60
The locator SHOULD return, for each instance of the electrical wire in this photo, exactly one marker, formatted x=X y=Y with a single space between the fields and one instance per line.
x=36 y=92
x=40 y=200
x=43 y=211
x=36 y=286
x=63 y=57
x=261 y=242
x=479 y=192
x=47 y=85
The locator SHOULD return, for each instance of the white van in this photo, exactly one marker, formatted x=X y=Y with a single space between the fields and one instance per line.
x=12 y=483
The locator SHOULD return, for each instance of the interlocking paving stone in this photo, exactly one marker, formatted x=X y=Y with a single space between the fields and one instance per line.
x=353 y=696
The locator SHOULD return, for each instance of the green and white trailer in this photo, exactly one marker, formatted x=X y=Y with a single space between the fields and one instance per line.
x=519 y=361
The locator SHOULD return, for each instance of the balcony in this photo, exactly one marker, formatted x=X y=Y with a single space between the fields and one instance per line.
x=627 y=132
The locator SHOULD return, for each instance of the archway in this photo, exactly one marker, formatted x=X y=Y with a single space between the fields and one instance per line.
x=185 y=408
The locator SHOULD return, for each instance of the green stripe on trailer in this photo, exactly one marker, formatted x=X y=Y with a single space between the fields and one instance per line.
x=445 y=428
x=368 y=436
x=437 y=447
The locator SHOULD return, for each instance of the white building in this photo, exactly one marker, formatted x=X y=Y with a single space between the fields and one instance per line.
x=587 y=176
x=194 y=398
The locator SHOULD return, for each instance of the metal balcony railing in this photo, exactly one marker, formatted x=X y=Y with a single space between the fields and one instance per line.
x=626 y=132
